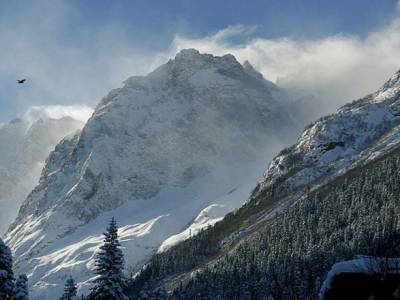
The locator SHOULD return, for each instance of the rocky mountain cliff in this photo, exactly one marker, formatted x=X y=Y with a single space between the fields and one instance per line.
x=176 y=149
x=358 y=132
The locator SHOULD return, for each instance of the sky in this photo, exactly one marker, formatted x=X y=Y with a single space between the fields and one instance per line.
x=73 y=52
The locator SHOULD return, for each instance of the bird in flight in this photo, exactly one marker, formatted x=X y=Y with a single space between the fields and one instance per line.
x=21 y=81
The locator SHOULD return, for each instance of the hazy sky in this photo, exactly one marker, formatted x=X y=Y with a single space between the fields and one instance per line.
x=73 y=52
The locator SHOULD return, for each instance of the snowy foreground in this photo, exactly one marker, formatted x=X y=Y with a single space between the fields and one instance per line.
x=171 y=216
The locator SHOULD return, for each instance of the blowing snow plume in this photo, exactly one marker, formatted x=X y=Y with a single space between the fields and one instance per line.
x=327 y=72
x=25 y=144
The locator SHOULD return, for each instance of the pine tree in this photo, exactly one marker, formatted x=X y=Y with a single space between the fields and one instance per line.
x=21 y=288
x=6 y=272
x=109 y=266
x=70 y=290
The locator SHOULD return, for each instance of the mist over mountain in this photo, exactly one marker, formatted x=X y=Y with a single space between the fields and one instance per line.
x=24 y=147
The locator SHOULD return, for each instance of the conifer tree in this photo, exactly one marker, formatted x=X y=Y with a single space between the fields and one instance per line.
x=21 y=288
x=70 y=290
x=6 y=273
x=109 y=267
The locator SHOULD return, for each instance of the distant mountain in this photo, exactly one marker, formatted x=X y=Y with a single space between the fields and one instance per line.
x=167 y=154
x=332 y=195
x=24 y=146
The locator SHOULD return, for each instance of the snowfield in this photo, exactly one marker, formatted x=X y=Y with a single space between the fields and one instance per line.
x=144 y=225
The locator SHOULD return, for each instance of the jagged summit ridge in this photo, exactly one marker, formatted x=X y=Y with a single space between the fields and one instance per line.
x=191 y=69
x=190 y=62
x=193 y=57
x=390 y=89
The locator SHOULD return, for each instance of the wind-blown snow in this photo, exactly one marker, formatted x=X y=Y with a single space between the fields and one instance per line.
x=24 y=146
x=144 y=225
x=358 y=132
x=171 y=151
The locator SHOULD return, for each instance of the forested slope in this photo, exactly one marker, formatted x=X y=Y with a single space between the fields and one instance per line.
x=287 y=257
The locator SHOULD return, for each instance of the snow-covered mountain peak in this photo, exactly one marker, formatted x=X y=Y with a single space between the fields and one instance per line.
x=193 y=57
x=189 y=118
x=154 y=121
x=188 y=56
x=191 y=69
x=201 y=69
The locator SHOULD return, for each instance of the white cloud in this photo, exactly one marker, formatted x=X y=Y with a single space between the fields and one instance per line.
x=65 y=62
x=335 y=69
x=78 y=112
x=64 y=70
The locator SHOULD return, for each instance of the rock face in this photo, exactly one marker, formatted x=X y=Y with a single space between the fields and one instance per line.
x=24 y=146
x=150 y=155
x=358 y=132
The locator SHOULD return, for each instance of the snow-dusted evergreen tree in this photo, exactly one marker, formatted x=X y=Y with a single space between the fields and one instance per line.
x=70 y=290
x=6 y=272
x=21 y=288
x=109 y=267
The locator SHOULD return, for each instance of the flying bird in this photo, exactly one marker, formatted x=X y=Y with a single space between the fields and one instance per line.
x=21 y=81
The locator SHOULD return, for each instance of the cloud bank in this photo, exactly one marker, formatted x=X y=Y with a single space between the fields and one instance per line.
x=78 y=112
x=335 y=69
x=77 y=64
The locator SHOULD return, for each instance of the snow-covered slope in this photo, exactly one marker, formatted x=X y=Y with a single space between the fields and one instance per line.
x=358 y=132
x=323 y=217
x=179 y=147
x=24 y=146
